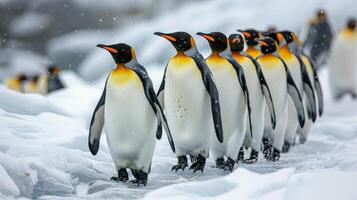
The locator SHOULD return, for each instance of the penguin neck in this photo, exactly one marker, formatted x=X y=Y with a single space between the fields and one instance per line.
x=120 y=67
x=284 y=51
x=252 y=51
x=215 y=55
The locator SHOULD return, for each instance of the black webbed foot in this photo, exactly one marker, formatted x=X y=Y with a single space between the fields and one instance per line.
x=267 y=146
x=182 y=164
x=229 y=165
x=253 y=157
x=275 y=156
x=199 y=165
x=122 y=176
x=286 y=147
x=240 y=155
x=141 y=177
x=220 y=163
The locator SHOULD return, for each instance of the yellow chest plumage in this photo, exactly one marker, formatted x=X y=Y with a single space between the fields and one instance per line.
x=123 y=75
x=182 y=64
x=216 y=63
x=285 y=53
x=269 y=61
x=253 y=52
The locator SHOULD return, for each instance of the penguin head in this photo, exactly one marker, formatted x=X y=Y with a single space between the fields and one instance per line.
x=217 y=41
x=237 y=42
x=53 y=70
x=35 y=78
x=267 y=45
x=289 y=37
x=121 y=53
x=182 y=41
x=321 y=15
x=351 y=24
x=250 y=35
x=21 y=78
x=278 y=38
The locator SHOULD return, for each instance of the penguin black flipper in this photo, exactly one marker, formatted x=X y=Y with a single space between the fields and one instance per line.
x=243 y=84
x=155 y=104
x=295 y=95
x=265 y=90
x=97 y=123
x=211 y=88
x=160 y=92
x=318 y=87
x=308 y=89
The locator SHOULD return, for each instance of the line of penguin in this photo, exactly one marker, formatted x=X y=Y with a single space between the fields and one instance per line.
x=40 y=84
x=255 y=90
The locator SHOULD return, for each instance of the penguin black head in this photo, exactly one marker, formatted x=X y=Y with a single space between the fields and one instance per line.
x=267 y=45
x=22 y=78
x=53 y=70
x=321 y=14
x=275 y=36
x=236 y=42
x=351 y=24
x=35 y=78
x=182 y=41
x=121 y=53
x=289 y=37
x=250 y=36
x=217 y=41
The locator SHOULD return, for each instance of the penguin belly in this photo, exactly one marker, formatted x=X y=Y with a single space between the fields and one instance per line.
x=257 y=105
x=233 y=109
x=130 y=122
x=343 y=64
x=188 y=107
x=293 y=121
x=275 y=76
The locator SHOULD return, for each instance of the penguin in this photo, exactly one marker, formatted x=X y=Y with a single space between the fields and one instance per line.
x=131 y=115
x=281 y=85
x=234 y=98
x=342 y=64
x=250 y=36
x=191 y=102
x=31 y=84
x=318 y=38
x=17 y=83
x=259 y=92
x=301 y=78
x=50 y=81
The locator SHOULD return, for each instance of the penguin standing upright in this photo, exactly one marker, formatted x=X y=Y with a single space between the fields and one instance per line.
x=234 y=98
x=343 y=64
x=281 y=85
x=50 y=81
x=250 y=36
x=191 y=102
x=131 y=114
x=301 y=78
x=259 y=93
x=17 y=83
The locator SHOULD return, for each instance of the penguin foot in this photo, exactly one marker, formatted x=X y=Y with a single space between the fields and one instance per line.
x=199 y=165
x=253 y=157
x=220 y=163
x=182 y=164
x=286 y=147
x=240 y=155
x=229 y=165
x=275 y=156
x=193 y=159
x=141 y=177
x=302 y=139
x=267 y=146
x=122 y=176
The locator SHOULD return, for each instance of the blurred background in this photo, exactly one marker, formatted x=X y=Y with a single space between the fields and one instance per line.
x=35 y=33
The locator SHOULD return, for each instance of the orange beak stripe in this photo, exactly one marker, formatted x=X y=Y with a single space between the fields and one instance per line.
x=210 y=38
x=246 y=34
x=111 y=50
x=263 y=43
x=172 y=39
x=235 y=40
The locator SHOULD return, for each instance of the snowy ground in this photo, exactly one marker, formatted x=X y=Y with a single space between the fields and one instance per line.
x=44 y=154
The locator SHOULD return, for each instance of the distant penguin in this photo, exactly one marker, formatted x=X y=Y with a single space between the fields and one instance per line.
x=131 y=115
x=191 y=102
x=250 y=36
x=50 y=81
x=31 y=84
x=17 y=83
x=301 y=78
x=259 y=93
x=343 y=62
x=234 y=98
x=318 y=38
x=281 y=85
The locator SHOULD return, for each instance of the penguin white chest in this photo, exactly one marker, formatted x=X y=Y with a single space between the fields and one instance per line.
x=129 y=118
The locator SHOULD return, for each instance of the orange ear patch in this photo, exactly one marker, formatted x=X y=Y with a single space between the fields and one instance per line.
x=263 y=43
x=236 y=40
x=111 y=50
x=246 y=34
x=280 y=37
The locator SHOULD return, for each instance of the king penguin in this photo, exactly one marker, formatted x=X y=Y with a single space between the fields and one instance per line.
x=17 y=83
x=301 y=78
x=259 y=93
x=250 y=36
x=191 y=102
x=234 y=95
x=281 y=85
x=131 y=115
x=343 y=64
x=50 y=81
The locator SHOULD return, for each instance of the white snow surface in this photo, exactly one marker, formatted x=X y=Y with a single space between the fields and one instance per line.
x=45 y=155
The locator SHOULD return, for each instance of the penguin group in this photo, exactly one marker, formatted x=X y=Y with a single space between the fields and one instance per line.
x=256 y=92
x=38 y=83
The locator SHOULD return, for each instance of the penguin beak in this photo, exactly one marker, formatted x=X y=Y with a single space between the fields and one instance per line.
x=167 y=36
x=108 y=48
x=261 y=42
x=207 y=36
x=246 y=34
